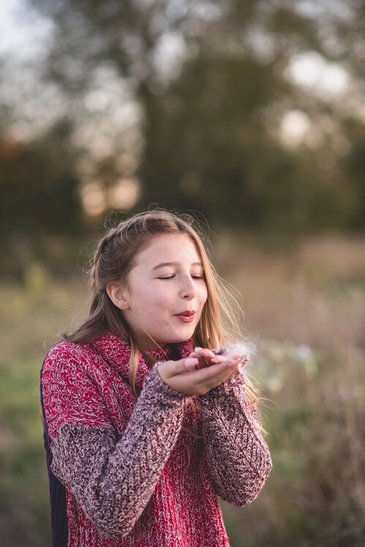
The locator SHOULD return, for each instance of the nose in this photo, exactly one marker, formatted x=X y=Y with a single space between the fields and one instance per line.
x=187 y=290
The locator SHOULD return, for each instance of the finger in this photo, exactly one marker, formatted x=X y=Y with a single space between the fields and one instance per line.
x=199 y=380
x=207 y=354
x=190 y=363
x=201 y=355
x=206 y=357
x=215 y=373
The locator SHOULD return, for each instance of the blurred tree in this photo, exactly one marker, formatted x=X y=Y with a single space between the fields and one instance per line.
x=209 y=135
x=39 y=199
x=353 y=175
x=38 y=184
x=213 y=81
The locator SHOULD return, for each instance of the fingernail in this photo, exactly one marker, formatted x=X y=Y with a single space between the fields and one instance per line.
x=191 y=362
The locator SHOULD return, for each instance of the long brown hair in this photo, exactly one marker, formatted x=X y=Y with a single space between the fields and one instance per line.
x=114 y=258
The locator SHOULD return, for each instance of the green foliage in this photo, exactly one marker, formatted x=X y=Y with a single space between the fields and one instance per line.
x=38 y=184
x=209 y=134
x=315 y=433
x=30 y=318
x=353 y=169
x=211 y=122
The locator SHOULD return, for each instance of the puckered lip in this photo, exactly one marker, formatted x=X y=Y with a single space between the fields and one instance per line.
x=186 y=313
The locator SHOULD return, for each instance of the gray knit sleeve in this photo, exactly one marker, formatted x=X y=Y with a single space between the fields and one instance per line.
x=113 y=479
x=238 y=456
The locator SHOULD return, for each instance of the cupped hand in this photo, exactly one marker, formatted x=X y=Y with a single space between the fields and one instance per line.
x=206 y=357
x=185 y=376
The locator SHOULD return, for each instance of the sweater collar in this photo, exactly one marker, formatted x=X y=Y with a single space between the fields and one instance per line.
x=117 y=352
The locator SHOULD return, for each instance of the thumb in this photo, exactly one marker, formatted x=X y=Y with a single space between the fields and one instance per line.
x=190 y=362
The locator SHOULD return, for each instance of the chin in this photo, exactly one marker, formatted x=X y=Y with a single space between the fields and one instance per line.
x=177 y=336
x=183 y=337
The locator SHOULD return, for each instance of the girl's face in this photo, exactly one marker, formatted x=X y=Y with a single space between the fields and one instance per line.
x=165 y=292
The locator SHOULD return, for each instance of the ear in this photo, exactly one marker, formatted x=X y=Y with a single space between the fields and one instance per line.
x=118 y=294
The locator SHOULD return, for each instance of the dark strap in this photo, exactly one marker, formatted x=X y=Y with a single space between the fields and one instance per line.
x=57 y=491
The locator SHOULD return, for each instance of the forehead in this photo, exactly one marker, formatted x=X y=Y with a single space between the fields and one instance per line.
x=169 y=248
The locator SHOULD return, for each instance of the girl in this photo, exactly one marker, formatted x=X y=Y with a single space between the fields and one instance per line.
x=142 y=429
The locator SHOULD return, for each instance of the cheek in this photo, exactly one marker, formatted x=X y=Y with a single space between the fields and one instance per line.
x=151 y=301
x=203 y=295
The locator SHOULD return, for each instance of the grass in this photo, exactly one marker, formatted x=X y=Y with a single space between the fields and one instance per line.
x=305 y=309
x=305 y=312
x=31 y=315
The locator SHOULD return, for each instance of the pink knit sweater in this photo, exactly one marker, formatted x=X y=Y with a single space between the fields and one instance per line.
x=146 y=471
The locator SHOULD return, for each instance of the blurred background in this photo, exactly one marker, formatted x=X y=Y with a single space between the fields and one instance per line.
x=251 y=116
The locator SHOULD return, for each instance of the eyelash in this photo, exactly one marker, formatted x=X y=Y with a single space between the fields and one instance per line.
x=172 y=276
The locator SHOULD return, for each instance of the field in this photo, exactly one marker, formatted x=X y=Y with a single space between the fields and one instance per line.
x=305 y=314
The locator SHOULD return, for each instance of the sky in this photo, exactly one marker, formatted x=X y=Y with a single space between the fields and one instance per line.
x=22 y=32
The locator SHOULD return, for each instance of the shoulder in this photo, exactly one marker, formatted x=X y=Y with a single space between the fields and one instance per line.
x=72 y=362
x=65 y=350
x=69 y=390
x=65 y=357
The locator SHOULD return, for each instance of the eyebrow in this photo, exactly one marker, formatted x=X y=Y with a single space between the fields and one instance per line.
x=164 y=264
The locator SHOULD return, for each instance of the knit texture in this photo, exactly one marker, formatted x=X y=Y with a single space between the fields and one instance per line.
x=145 y=471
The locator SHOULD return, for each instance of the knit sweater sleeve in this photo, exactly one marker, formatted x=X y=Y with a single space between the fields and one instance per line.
x=238 y=456
x=112 y=477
